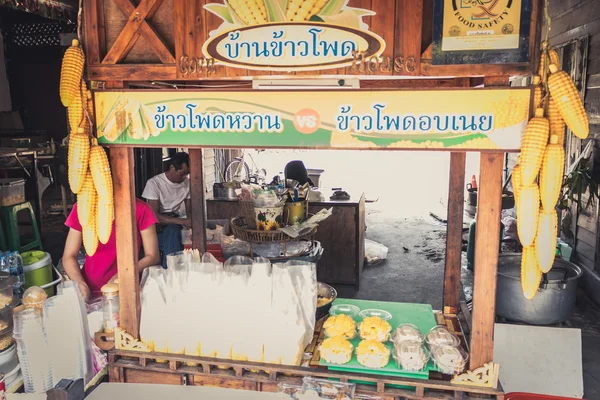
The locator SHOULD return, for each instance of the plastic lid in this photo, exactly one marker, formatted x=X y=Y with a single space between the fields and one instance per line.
x=34 y=297
x=110 y=288
x=441 y=336
x=348 y=309
x=372 y=312
x=36 y=259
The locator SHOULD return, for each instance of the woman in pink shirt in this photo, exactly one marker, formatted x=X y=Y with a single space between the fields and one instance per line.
x=102 y=266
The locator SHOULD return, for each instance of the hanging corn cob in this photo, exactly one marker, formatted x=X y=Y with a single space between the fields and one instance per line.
x=531 y=275
x=101 y=172
x=568 y=101
x=89 y=104
x=86 y=201
x=551 y=174
x=557 y=124
x=533 y=145
x=75 y=111
x=545 y=242
x=553 y=58
x=78 y=157
x=71 y=72
x=104 y=219
x=516 y=181
x=90 y=239
x=538 y=94
x=527 y=214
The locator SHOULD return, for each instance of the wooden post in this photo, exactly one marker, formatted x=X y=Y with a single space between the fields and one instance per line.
x=121 y=160
x=198 y=206
x=456 y=199
x=487 y=246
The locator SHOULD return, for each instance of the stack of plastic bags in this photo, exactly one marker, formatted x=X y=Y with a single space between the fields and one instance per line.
x=244 y=310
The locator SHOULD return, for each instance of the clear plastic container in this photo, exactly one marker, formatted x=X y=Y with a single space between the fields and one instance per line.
x=407 y=332
x=374 y=328
x=449 y=360
x=336 y=350
x=7 y=283
x=441 y=336
x=372 y=354
x=411 y=356
x=372 y=312
x=347 y=309
x=110 y=307
x=340 y=325
x=12 y=191
x=326 y=389
x=34 y=297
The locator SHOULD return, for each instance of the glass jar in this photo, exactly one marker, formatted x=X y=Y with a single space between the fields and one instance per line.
x=110 y=307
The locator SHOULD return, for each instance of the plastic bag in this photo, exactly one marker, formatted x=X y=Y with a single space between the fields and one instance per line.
x=238 y=314
x=154 y=309
x=294 y=231
x=259 y=298
x=375 y=253
x=207 y=289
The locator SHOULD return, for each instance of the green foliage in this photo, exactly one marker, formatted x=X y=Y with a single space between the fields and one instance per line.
x=576 y=184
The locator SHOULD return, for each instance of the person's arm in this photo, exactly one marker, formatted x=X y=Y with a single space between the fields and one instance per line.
x=70 y=263
x=165 y=219
x=150 y=246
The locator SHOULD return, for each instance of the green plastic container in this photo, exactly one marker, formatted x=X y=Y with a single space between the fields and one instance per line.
x=37 y=266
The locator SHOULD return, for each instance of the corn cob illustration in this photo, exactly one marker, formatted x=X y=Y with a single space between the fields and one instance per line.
x=90 y=239
x=531 y=275
x=553 y=58
x=148 y=120
x=251 y=12
x=119 y=118
x=568 y=101
x=86 y=201
x=551 y=174
x=100 y=169
x=537 y=92
x=105 y=213
x=545 y=242
x=137 y=128
x=71 y=72
x=527 y=214
x=557 y=124
x=302 y=10
x=533 y=146
x=78 y=157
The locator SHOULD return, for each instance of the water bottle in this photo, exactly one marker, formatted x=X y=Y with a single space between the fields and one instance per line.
x=3 y=263
x=13 y=268
x=20 y=270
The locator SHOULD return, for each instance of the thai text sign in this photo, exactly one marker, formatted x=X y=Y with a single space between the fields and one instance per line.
x=462 y=118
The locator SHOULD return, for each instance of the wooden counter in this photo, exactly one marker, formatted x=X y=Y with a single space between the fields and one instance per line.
x=341 y=235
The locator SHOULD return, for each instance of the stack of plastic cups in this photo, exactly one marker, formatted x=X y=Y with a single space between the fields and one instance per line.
x=33 y=351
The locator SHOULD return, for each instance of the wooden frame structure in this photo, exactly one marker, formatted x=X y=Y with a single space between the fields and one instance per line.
x=127 y=44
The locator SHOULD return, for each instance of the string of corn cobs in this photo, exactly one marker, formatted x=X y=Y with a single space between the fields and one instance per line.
x=542 y=159
x=88 y=168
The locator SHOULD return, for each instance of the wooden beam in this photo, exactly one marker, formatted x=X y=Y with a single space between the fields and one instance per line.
x=91 y=31
x=131 y=31
x=487 y=246
x=456 y=199
x=132 y=72
x=409 y=14
x=198 y=206
x=121 y=159
x=474 y=69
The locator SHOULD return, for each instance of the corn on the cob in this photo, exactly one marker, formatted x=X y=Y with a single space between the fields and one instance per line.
x=90 y=239
x=251 y=12
x=531 y=275
x=551 y=174
x=527 y=214
x=78 y=157
x=71 y=72
x=533 y=145
x=86 y=201
x=104 y=220
x=568 y=101
x=119 y=118
x=516 y=181
x=538 y=94
x=553 y=58
x=75 y=111
x=545 y=242
x=101 y=172
x=557 y=124
x=302 y=10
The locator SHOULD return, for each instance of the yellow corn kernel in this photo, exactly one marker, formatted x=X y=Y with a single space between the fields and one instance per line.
x=516 y=181
x=302 y=10
x=551 y=174
x=557 y=124
x=545 y=242
x=86 y=201
x=75 y=111
x=531 y=275
x=533 y=146
x=251 y=12
x=90 y=239
x=71 y=72
x=105 y=213
x=553 y=58
x=78 y=157
x=528 y=209
x=568 y=101
x=101 y=172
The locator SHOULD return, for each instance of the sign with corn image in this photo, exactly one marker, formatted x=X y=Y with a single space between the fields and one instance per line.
x=88 y=168
x=290 y=35
x=538 y=175
x=476 y=119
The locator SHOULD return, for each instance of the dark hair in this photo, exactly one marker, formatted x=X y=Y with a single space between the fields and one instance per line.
x=178 y=159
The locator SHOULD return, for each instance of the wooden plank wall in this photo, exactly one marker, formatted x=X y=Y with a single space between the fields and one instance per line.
x=572 y=20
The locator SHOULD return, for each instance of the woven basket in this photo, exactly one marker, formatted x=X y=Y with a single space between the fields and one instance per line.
x=241 y=230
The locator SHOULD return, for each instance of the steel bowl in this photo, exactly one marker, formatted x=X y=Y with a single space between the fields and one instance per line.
x=324 y=290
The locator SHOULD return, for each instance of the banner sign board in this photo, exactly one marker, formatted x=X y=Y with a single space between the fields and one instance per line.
x=476 y=119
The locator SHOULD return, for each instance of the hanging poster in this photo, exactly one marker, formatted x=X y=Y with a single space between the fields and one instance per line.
x=477 y=119
x=481 y=31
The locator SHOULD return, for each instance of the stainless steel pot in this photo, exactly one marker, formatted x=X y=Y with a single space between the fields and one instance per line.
x=554 y=301
x=324 y=290
x=223 y=192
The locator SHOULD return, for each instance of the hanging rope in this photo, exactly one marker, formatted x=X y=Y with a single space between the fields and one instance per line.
x=546 y=57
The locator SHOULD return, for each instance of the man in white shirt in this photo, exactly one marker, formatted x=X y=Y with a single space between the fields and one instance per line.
x=168 y=195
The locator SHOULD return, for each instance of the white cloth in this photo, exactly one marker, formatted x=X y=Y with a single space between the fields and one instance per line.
x=171 y=195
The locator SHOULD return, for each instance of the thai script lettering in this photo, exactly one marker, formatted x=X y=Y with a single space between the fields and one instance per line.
x=191 y=120
x=379 y=121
